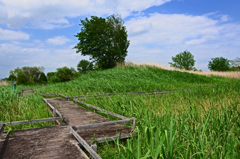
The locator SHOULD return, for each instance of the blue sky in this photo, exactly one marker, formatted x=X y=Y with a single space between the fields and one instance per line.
x=41 y=33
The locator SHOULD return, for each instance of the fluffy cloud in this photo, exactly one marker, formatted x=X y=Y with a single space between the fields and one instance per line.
x=51 y=14
x=12 y=35
x=58 y=40
x=158 y=37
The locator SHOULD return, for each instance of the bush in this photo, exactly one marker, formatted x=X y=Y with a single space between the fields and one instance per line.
x=84 y=66
x=65 y=73
x=219 y=64
x=50 y=75
x=42 y=79
x=55 y=79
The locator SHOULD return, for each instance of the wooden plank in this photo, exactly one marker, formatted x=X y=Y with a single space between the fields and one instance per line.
x=52 y=107
x=1 y=128
x=33 y=121
x=103 y=110
x=47 y=94
x=103 y=124
x=107 y=139
x=84 y=144
x=63 y=95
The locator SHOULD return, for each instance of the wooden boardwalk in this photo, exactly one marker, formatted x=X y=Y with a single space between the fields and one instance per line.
x=60 y=141
x=53 y=142
x=75 y=115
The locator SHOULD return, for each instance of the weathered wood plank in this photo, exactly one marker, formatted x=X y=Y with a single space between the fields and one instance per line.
x=1 y=128
x=103 y=124
x=33 y=121
x=84 y=144
x=103 y=110
x=48 y=94
x=52 y=107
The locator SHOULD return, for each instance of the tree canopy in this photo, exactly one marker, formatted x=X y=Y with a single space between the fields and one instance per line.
x=104 y=40
x=219 y=64
x=26 y=74
x=183 y=60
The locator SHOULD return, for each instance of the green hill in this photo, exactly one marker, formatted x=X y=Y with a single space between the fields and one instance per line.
x=202 y=122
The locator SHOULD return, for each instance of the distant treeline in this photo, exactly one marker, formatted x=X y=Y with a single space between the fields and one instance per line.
x=31 y=75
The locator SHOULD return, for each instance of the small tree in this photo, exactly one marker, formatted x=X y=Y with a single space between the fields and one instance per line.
x=50 y=75
x=219 y=64
x=42 y=79
x=65 y=73
x=183 y=60
x=84 y=66
x=104 y=40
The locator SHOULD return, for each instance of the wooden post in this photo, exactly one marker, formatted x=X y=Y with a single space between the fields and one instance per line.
x=133 y=123
x=1 y=128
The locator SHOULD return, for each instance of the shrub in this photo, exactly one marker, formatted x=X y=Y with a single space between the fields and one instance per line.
x=42 y=79
x=219 y=64
x=84 y=66
x=65 y=73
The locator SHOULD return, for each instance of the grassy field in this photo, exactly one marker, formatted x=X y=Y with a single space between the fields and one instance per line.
x=198 y=123
x=14 y=108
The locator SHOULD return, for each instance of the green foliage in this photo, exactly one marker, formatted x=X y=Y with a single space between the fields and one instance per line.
x=42 y=78
x=26 y=75
x=84 y=66
x=14 y=108
x=55 y=79
x=234 y=68
x=183 y=60
x=235 y=63
x=219 y=64
x=50 y=75
x=104 y=40
x=65 y=73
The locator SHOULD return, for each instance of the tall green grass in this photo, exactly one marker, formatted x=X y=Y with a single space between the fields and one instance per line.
x=14 y=108
x=201 y=123
x=197 y=123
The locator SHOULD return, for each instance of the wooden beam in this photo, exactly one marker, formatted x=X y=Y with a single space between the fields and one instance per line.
x=33 y=121
x=52 y=107
x=103 y=124
x=1 y=128
x=47 y=94
x=103 y=110
x=84 y=144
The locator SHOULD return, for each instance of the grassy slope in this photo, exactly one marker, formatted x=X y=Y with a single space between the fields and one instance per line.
x=133 y=79
x=193 y=123
x=204 y=122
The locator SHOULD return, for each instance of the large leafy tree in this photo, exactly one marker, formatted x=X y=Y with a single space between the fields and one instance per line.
x=183 y=60
x=219 y=64
x=104 y=40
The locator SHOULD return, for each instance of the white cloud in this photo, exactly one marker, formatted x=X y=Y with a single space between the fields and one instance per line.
x=51 y=14
x=204 y=37
x=13 y=35
x=58 y=40
x=195 y=41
